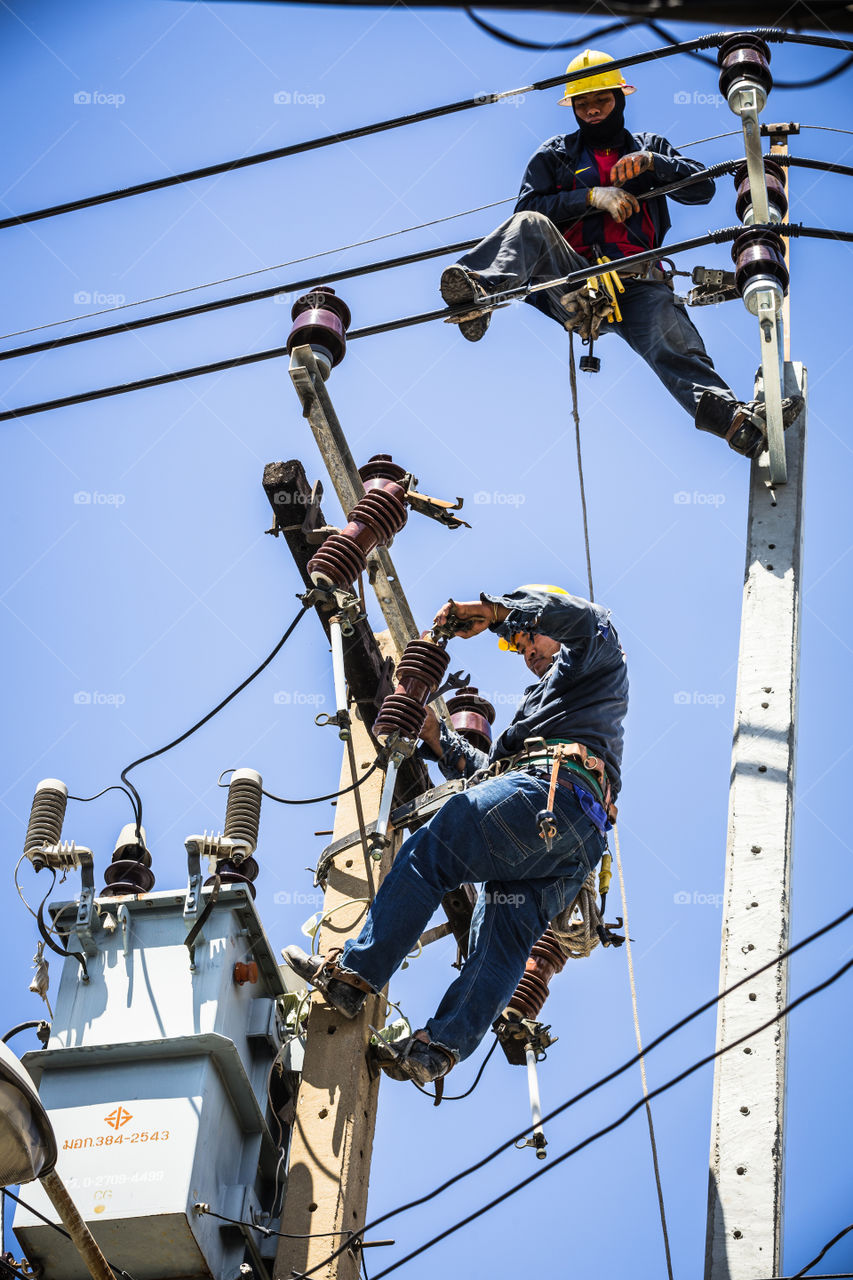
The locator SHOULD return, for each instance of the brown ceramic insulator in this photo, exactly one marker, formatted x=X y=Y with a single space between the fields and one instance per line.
x=245 y=971
x=418 y=675
x=744 y=57
x=320 y=319
x=373 y=521
x=472 y=716
x=236 y=873
x=378 y=468
x=776 y=196
x=546 y=960
x=759 y=253
x=127 y=876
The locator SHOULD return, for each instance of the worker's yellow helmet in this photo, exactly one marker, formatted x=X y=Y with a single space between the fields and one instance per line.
x=612 y=79
x=507 y=645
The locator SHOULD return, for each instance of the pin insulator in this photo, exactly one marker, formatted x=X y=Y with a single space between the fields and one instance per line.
x=242 y=821
x=776 y=195
x=546 y=959
x=418 y=675
x=744 y=60
x=372 y=523
x=759 y=255
x=472 y=717
x=320 y=320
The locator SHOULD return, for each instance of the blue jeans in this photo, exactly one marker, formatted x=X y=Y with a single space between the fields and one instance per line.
x=528 y=248
x=488 y=836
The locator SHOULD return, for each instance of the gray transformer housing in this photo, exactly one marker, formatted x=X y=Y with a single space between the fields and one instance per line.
x=156 y=1079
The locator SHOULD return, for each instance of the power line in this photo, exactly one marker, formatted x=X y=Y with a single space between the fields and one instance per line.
x=604 y=1080
x=387 y=264
x=152 y=755
x=497 y=300
x=278 y=266
x=600 y=1133
x=312 y=257
x=826 y=1248
x=711 y=40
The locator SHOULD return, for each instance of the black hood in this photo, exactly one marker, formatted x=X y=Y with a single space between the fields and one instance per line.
x=608 y=132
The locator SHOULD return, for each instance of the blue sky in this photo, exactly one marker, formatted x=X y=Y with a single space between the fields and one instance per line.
x=129 y=615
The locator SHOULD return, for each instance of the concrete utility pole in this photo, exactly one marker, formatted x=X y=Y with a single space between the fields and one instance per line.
x=744 y=1236
x=330 y=1150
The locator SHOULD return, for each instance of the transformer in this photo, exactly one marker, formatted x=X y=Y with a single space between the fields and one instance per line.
x=167 y=1078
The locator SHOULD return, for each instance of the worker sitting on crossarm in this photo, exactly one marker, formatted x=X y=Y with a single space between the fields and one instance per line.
x=578 y=207
x=489 y=834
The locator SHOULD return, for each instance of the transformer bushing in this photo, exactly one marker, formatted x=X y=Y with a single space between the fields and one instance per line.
x=418 y=675
x=744 y=62
x=129 y=872
x=372 y=523
x=777 y=197
x=547 y=959
x=46 y=818
x=472 y=717
x=242 y=823
x=320 y=321
x=759 y=258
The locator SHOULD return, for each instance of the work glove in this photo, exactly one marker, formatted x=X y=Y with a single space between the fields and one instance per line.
x=613 y=200
x=631 y=166
x=588 y=309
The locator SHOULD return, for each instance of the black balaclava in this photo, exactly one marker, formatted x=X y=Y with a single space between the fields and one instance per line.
x=607 y=132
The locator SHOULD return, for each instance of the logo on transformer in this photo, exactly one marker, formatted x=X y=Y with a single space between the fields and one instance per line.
x=118 y=1117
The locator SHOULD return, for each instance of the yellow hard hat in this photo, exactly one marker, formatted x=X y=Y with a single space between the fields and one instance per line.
x=507 y=645
x=612 y=79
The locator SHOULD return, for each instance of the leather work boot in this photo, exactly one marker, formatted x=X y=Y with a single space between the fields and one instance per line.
x=318 y=972
x=413 y=1058
x=459 y=287
x=742 y=423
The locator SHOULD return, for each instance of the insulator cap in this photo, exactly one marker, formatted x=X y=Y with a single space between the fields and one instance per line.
x=758 y=254
x=744 y=57
x=236 y=873
x=127 y=845
x=378 y=468
x=776 y=195
x=320 y=320
x=472 y=716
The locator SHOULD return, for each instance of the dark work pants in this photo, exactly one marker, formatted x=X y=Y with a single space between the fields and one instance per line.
x=528 y=248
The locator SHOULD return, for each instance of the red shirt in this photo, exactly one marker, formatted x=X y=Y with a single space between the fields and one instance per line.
x=615 y=233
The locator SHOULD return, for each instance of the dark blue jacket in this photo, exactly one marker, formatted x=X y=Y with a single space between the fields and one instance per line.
x=552 y=185
x=582 y=697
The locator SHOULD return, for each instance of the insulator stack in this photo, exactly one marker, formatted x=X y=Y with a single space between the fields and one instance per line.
x=759 y=258
x=777 y=197
x=373 y=522
x=46 y=818
x=242 y=820
x=320 y=321
x=418 y=675
x=472 y=717
x=129 y=872
x=546 y=959
x=744 y=62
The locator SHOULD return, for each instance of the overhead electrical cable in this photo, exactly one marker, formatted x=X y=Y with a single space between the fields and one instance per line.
x=607 y=1079
x=152 y=755
x=312 y=257
x=119 y=1271
x=826 y=1248
x=610 y=1128
x=258 y=295
x=724 y=234
x=710 y=40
